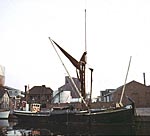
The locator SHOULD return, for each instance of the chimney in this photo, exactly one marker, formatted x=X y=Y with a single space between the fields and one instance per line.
x=43 y=85
x=25 y=87
x=144 y=78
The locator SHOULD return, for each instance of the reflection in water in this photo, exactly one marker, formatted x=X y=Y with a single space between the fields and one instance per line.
x=21 y=129
x=4 y=123
x=71 y=129
x=143 y=128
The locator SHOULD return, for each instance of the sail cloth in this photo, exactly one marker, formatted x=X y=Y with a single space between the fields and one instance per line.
x=80 y=65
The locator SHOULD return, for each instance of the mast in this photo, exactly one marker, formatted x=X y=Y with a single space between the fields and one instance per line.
x=80 y=65
x=85 y=33
x=83 y=73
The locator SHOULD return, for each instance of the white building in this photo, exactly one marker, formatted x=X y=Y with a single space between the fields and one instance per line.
x=62 y=97
x=67 y=93
x=2 y=75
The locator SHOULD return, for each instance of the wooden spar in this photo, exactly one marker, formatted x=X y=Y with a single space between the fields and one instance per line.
x=82 y=98
x=120 y=102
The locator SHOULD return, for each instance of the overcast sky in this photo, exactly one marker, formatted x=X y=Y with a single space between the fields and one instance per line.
x=116 y=30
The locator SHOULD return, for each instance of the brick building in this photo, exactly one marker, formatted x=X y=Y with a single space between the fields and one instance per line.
x=138 y=92
x=39 y=94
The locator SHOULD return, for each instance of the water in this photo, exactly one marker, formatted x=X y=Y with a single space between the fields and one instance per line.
x=13 y=128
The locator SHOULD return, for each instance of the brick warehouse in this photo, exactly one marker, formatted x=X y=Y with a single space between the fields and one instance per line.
x=138 y=92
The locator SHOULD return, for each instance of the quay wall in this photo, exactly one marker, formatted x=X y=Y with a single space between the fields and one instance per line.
x=142 y=114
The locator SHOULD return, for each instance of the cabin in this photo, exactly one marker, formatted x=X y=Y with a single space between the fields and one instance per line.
x=4 y=98
x=138 y=92
x=39 y=94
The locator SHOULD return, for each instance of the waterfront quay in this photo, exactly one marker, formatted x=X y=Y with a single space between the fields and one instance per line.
x=143 y=114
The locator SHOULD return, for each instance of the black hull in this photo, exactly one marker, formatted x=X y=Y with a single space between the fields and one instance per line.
x=112 y=116
x=123 y=115
x=32 y=117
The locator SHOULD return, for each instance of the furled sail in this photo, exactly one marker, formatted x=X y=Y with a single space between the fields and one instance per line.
x=80 y=65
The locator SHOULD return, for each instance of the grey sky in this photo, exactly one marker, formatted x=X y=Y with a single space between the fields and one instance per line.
x=116 y=30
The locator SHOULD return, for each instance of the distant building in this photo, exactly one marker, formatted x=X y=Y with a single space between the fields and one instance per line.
x=39 y=94
x=4 y=98
x=2 y=75
x=62 y=97
x=106 y=95
x=13 y=92
x=14 y=96
x=139 y=93
x=67 y=93
x=70 y=87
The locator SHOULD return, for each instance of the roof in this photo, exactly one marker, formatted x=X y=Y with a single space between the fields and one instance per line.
x=131 y=85
x=40 y=90
x=12 y=91
x=10 y=88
